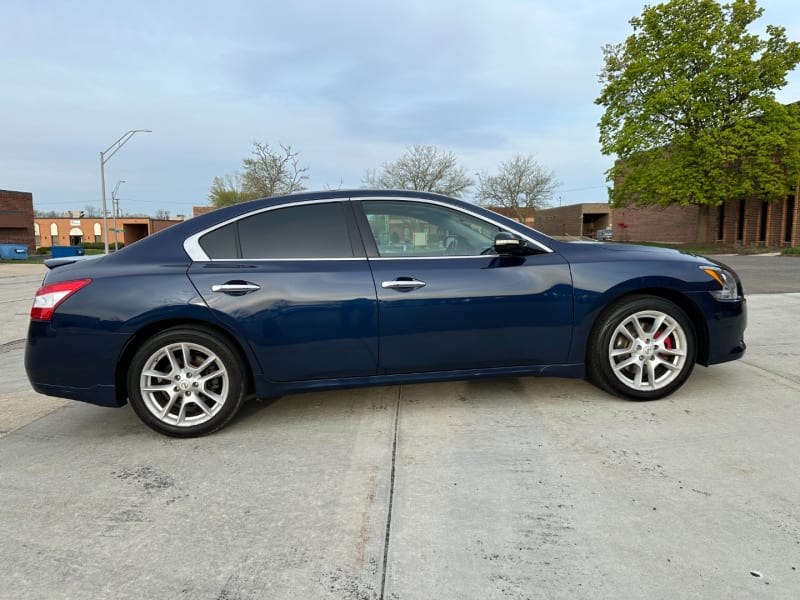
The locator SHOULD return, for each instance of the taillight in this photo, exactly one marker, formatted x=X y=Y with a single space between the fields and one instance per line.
x=48 y=297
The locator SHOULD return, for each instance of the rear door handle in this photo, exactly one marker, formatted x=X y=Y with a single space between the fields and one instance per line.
x=235 y=287
x=403 y=284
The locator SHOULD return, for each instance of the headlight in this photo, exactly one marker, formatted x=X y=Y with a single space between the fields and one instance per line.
x=726 y=279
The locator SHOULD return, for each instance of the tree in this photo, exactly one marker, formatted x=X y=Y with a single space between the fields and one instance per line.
x=162 y=214
x=690 y=107
x=228 y=190
x=522 y=185
x=267 y=173
x=422 y=168
x=271 y=172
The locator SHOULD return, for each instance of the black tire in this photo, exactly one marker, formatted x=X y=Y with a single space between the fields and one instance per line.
x=186 y=381
x=642 y=348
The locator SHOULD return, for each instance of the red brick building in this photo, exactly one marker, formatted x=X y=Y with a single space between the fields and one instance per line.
x=16 y=219
x=735 y=223
x=574 y=220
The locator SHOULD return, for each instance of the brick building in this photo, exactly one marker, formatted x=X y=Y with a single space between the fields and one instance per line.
x=574 y=220
x=735 y=223
x=62 y=231
x=202 y=210
x=16 y=219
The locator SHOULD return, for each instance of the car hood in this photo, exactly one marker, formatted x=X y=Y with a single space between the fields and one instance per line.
x=590 y=250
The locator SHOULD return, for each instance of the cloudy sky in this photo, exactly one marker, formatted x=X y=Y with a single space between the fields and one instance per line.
x=349 y=84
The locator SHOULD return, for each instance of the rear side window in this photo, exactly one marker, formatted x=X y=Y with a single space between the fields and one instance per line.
x=221 y=243
x=307 y=231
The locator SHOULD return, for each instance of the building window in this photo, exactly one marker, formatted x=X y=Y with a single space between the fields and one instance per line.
x=790 y=200
x=37 y=235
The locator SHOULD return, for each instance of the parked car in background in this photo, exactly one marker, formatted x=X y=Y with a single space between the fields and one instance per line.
x=604 y=235
x=336 y=289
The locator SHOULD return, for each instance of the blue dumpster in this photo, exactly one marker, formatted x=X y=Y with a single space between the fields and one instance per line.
x=62 y=251
x=13 y=251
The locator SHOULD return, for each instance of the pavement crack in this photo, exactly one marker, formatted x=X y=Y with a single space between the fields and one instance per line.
x=13 y=345
x=776 y=374
x=391 y=493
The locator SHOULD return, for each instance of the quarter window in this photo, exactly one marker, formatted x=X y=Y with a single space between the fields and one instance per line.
x=412 y=229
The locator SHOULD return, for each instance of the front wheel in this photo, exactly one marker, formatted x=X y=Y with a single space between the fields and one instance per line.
x=186 y=381
x=643 y=348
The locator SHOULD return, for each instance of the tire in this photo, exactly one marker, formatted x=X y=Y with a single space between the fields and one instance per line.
x=642 y=348
x=180 y=400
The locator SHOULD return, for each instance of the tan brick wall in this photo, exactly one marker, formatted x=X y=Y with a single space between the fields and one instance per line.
x=88 y=226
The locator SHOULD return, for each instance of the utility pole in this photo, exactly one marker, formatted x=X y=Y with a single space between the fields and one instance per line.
x=105 y=156
x=115 y=208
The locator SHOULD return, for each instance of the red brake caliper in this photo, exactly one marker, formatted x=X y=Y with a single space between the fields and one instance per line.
x=667 y=342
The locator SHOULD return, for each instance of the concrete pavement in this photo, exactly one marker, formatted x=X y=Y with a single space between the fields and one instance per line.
x=506 y=489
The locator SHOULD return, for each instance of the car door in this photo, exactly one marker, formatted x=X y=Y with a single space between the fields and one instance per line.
x=293 y=282
x=447 y=301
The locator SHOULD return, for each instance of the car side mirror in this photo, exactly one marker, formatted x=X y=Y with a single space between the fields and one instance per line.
x=508 y=243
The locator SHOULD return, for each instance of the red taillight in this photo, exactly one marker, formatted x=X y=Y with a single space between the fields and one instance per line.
x=48 y=297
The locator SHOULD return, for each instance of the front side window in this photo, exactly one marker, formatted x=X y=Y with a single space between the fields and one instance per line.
x=415 y=229
x=303 y=231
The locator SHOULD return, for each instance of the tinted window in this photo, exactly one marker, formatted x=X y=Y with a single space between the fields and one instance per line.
x=308 y=231
x=220 y=243
x=417 y=229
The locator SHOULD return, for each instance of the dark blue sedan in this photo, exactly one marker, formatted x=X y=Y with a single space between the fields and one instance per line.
x=352 y=288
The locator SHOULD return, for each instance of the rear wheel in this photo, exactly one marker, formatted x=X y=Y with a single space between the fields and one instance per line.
x=186 y=381
x=643 y=348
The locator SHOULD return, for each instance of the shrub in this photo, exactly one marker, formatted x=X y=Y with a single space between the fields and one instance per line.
x=100 y=245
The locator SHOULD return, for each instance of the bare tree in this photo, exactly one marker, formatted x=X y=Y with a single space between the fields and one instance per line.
x=162 y=214
x=521 y=184
x=422 y=168
x=272 y=172
x=91 y=212
x=267 y=173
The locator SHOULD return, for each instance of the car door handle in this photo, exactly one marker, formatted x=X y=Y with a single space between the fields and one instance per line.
x=403 y=284
x=235 y=287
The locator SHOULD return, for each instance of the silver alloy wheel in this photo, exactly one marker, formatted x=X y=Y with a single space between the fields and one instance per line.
x=184 y=384
x=647 y=350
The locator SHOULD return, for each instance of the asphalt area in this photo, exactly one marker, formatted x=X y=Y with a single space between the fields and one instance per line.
x=507 y=489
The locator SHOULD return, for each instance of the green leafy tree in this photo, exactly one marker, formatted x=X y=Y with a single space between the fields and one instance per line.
x=690 y=107
x=521 y=184
x=228 y=190
x=268 y=172
x=422 y=168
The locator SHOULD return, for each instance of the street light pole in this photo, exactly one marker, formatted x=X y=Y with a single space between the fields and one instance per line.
x=114 y=207
x=105 y=156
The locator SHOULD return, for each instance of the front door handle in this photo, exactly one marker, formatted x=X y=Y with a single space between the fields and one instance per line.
x=235 y=287
x=403 y=284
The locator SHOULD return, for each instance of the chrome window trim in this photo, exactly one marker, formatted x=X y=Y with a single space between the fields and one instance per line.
x=241 y=260
x=447 y=256
x=191 y=245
